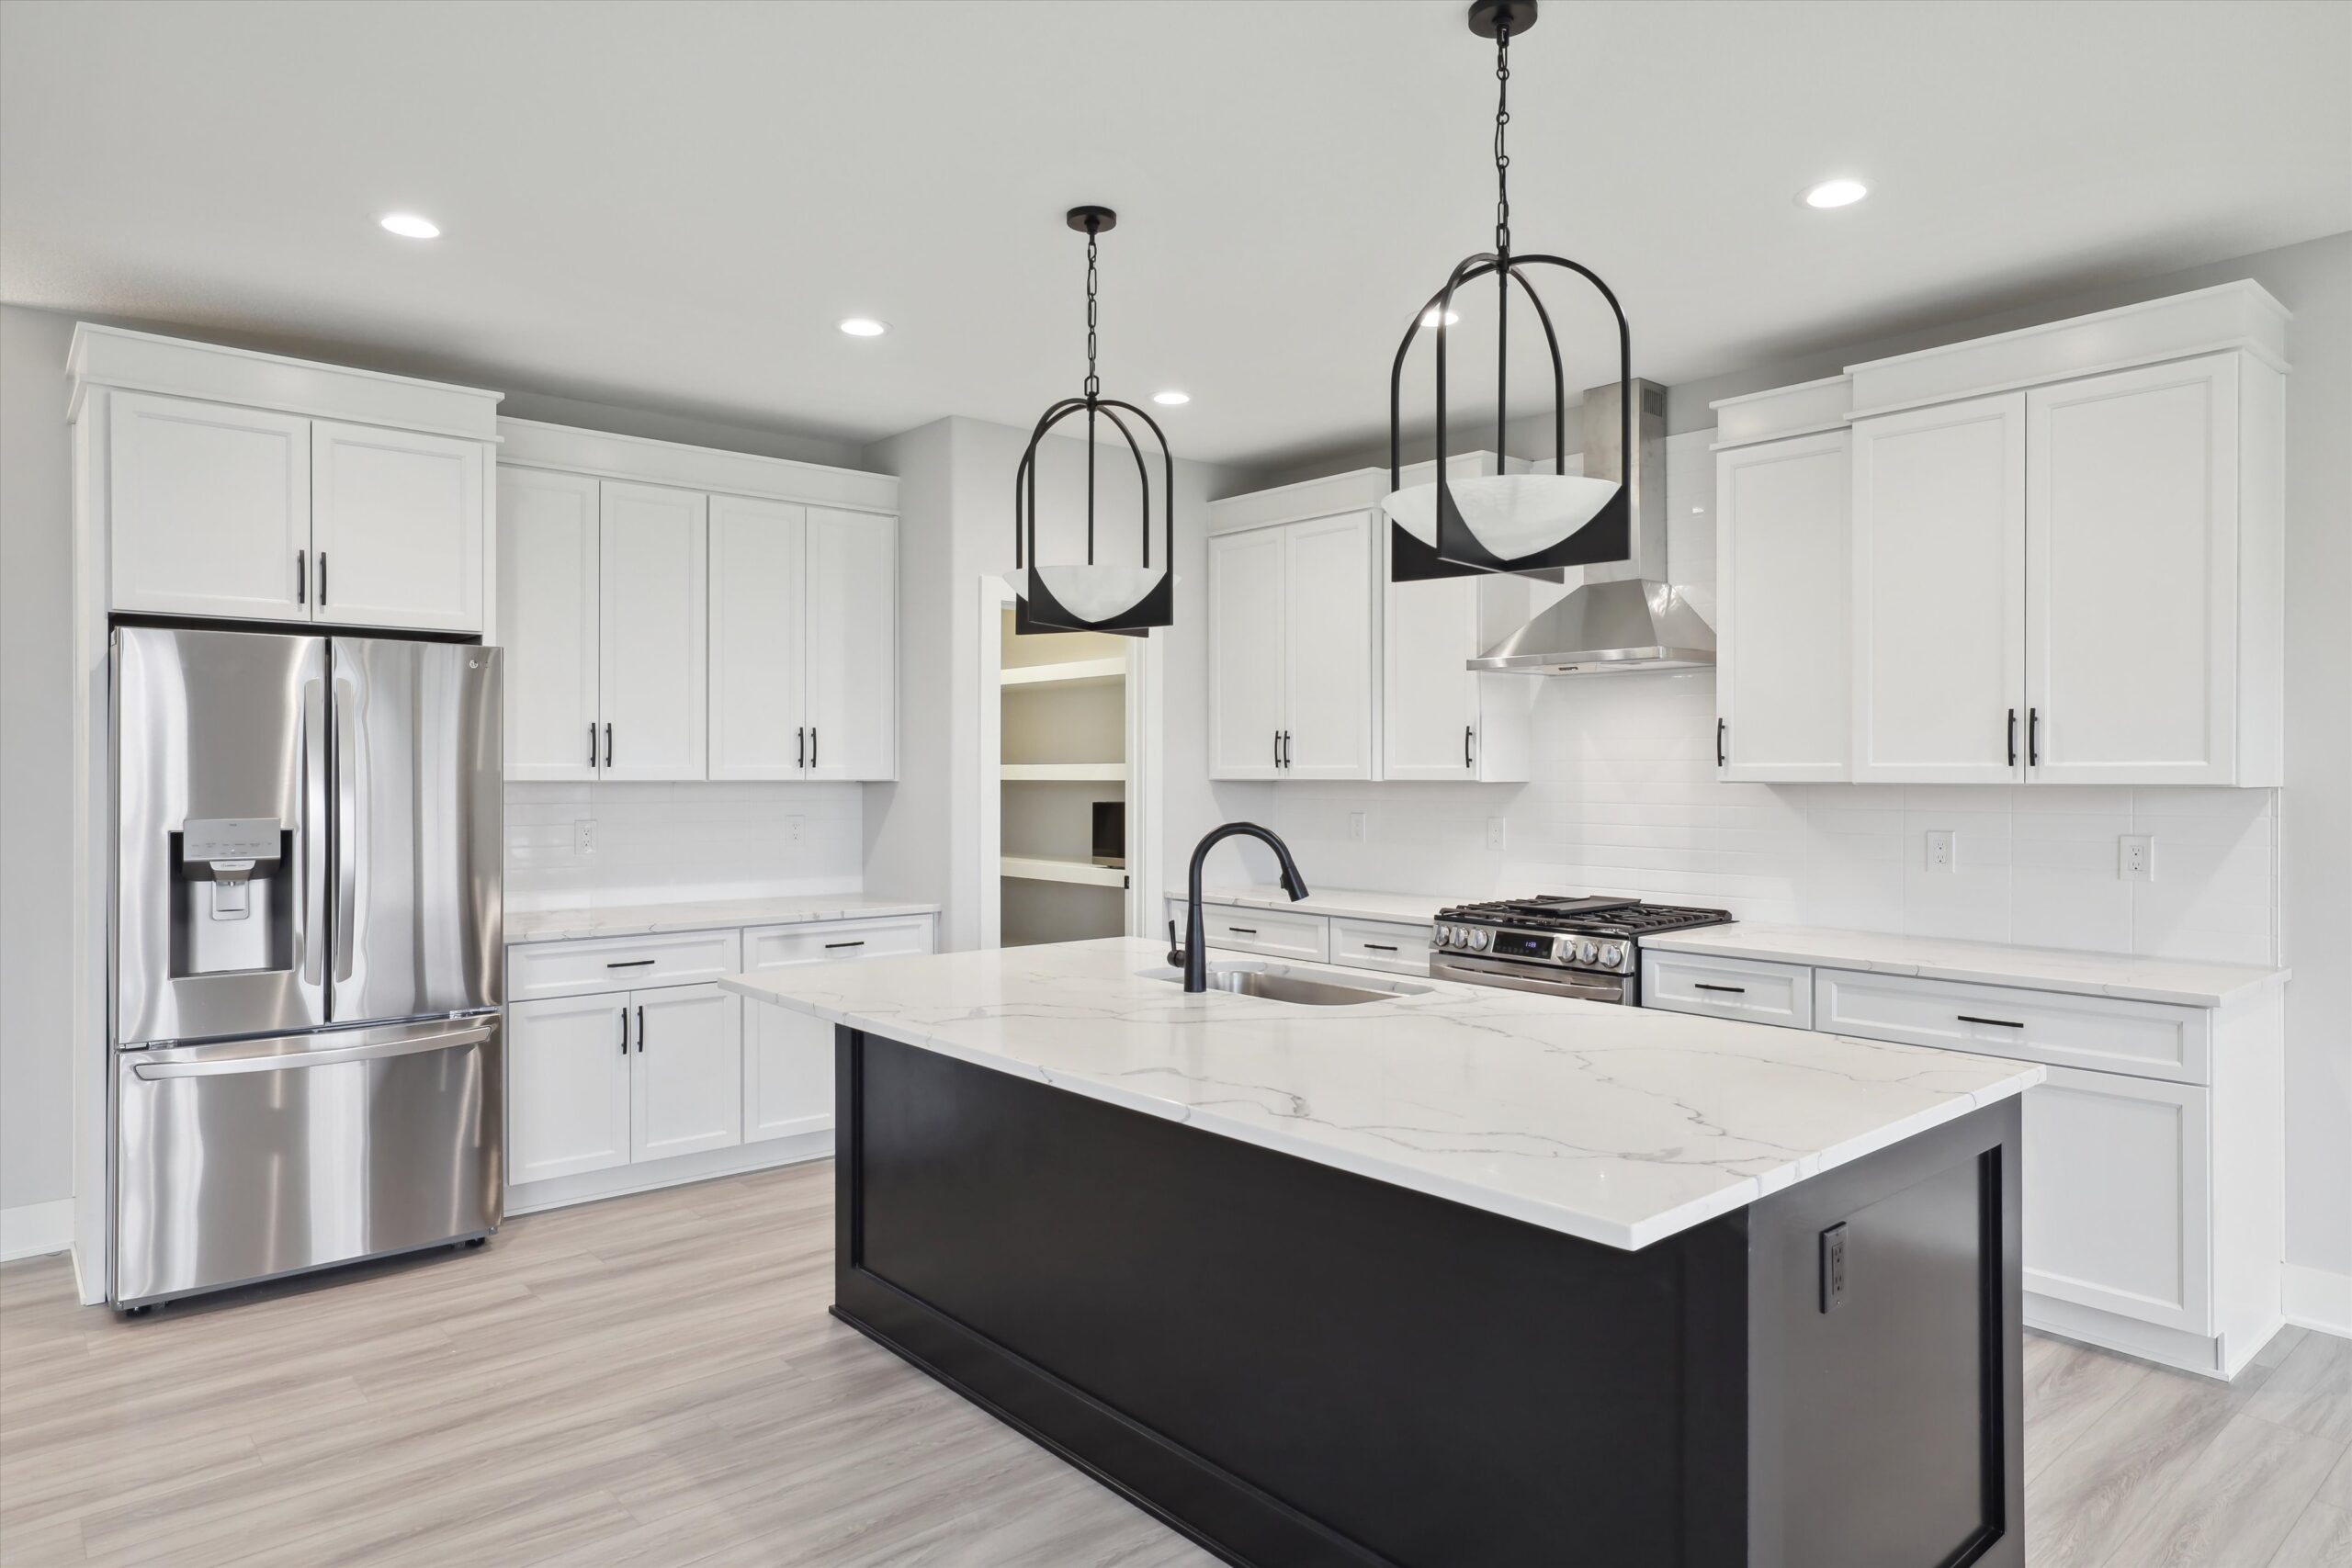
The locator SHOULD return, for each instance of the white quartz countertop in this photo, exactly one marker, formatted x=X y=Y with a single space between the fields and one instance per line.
x=1617 y=1124
x=1413 y=908
x=2190 y=982
x=640 y=919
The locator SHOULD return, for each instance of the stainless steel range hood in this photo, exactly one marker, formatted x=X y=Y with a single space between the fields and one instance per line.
x=1626 y=615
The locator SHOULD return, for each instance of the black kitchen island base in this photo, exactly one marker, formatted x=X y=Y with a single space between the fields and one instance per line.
x=1295 y=1365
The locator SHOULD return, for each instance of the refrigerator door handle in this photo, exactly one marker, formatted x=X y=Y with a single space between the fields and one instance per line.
x=311 y=942
x=280 y=1061
x=347 y=829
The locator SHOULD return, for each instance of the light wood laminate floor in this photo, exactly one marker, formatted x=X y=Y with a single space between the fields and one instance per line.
x=653 y=1381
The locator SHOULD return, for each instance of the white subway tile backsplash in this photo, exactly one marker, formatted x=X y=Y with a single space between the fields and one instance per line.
x=658 y=842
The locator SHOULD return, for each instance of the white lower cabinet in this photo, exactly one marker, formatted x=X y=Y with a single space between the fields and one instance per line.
x=2116 y=1218
x=788 y=1056
x=688 y=1067
x=568 y=1064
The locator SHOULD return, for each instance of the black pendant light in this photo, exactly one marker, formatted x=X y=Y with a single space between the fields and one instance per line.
x=1534 y=523
x=1091 y=597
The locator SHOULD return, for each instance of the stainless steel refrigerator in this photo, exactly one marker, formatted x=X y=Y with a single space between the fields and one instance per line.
x=307 y=953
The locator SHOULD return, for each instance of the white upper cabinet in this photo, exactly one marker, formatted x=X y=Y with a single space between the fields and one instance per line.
x=397 y=525
x=759 y=632
x=1782 y=582
x=210 y=508
x=2131 y=575
x=653 y=657
x=853 y=657
x=549 y=557
x=1328 y=648
x=1438 y=720
x=1939 y=593
x=253 y=486
x=1246 y=648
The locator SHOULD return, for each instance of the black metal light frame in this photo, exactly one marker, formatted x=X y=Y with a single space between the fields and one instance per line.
x=1457 y=552
x=1038 y=611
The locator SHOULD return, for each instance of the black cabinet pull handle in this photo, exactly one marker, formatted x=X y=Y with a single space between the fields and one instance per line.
x=608 y=745
x=2033 y=738
x=860 y=943
x=623 y=1031
x=1278 y=748
x=1241 y=930
x=1466 y=744
x=2013 y=737
x=800 y=747
x=1996 y=1023
x=591 y=742
x=629 y=964
x=640 y=1032
x=301 y=576
x=1723 y=730
x=1378 y=947
x=322 y=580
x=812 y=745
x=1286 y=748
x=1703 y=985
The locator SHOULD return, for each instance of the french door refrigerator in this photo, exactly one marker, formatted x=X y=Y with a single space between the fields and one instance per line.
x=306 y=958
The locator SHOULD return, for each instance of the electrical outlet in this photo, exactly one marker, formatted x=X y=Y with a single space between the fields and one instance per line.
x=1358 y=828
x=583 y=836
x=1494 y=832
x=792 y=830
x=1940 y=853
x=2136 y=857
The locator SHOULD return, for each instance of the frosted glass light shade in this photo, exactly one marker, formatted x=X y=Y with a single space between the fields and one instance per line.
x=1513 y=515
x=1097 y=593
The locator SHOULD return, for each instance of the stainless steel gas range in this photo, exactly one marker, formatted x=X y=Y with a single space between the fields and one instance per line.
x=1586 y=947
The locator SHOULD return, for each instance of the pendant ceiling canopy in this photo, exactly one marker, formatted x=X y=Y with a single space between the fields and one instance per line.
x=1091 y=596
x=1535 y=523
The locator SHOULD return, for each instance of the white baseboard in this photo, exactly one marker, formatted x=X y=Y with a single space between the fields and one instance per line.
x=35 y=1230
x=2316 y=1297
x=562 y=1191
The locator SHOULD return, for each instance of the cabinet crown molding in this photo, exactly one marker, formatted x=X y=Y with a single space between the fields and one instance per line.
x=1357 y=490
x=529 y=443
x=1804 y=408
x=183 y=368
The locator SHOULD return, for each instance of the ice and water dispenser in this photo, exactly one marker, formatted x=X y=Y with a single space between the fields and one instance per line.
x=233 y=906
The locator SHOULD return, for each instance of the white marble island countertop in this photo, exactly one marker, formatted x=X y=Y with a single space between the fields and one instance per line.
x=707 y=914
x=1616 y=1124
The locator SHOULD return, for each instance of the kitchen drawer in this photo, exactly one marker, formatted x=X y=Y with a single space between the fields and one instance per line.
x=2149 y=1040
x=620 y=964
x=1748 y=989
x=825 y=941
x=1380 y=944
x=1241 y=929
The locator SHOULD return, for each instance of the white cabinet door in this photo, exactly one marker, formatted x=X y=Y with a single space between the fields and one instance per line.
x=853 y=645
x=1428 y=697
x=2118 y=1197
x=568 y=1069
x=1939 y=601
x=208 y=508
x=653 y=657
x=2132 y=576
x=787 y=1072
x=758 y=639
x=547 y=621
x=689 y=1069
x=1328 y=648
x=1782 y=635
x=1246 y=648
x=397 y=523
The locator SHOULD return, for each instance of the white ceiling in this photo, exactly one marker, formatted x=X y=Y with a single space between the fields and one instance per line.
x=669 y=205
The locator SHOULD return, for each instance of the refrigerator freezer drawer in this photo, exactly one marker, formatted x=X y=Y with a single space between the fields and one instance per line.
x=241 y=1161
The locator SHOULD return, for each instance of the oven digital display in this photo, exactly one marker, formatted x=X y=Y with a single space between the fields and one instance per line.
x=1516 y=944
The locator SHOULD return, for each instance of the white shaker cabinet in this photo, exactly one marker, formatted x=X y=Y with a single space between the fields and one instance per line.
x=397 y=520
x=549 y=558
x=688 y=1070
x=789 y=1056
x=209 y=508
x=568 y=1072
x=1291 y=651
x=1246 y=645
x=1939 y=593
x=852 y=658
x=1438 y=720
x=652 y=658
x=1784 y=582
x=759 y=636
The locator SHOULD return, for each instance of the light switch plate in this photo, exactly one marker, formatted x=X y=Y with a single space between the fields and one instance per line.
x=1941 y=850
x=2135 y=859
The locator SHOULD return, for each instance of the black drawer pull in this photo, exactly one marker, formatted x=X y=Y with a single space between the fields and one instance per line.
x=1241 y=930
x=859 y=942
x=1703 y=985
x=1996 y=1023
x=630 y=963
x=1378 y=947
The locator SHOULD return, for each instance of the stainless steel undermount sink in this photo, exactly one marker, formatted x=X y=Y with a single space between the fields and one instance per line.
x=1274 y=983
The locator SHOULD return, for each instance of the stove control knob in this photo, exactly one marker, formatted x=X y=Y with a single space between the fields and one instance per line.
x=1612 y=953
x=1585 y=952
x=1449 y=936
x=1477 y=941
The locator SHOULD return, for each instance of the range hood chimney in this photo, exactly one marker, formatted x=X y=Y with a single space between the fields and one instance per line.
x=1626 y=615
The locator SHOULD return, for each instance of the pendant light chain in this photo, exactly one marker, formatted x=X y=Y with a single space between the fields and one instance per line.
x=1093 y=382
x=1502 y=155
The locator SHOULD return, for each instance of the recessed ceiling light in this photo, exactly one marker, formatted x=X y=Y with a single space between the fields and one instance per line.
x=1172 y=398
x=1429 y=316
x=864 y=326
x=1834 y=193
x=409 y=226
